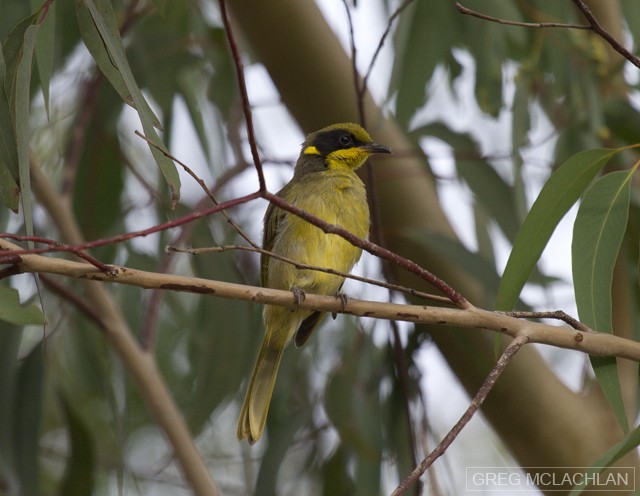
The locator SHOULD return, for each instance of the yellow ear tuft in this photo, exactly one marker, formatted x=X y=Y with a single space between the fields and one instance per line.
x=311 y=150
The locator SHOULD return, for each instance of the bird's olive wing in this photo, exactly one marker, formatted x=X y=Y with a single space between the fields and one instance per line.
x=272 y=219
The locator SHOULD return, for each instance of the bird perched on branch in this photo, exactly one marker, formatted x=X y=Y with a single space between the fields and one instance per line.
x=324 y=184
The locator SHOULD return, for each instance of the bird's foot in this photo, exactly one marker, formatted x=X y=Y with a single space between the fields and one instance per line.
x=298 y=296
x=344 y=299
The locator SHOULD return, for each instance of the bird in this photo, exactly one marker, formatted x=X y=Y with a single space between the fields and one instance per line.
x=324 y=184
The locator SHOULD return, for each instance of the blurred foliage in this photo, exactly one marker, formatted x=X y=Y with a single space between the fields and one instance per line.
x=73 y=423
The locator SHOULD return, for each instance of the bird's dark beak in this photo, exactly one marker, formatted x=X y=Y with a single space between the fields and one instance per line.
x=375 y=148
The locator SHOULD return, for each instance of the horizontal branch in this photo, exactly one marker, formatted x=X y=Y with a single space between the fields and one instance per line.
x=593 y=343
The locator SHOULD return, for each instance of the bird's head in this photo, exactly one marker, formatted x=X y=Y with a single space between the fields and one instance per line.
x=339 y=146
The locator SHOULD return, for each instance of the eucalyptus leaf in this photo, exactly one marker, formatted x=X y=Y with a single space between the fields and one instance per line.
x=17 y=51
x=597 y=236
x=561 y=191
x=21 y=104
x=45 y=45
x=9 y=175
x=104 y=18
x=97 y=48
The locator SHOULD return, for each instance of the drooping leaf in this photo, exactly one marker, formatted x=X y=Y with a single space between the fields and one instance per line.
x=12 y=48
x=45 y=44
x=9 y=176
x=597 y=236
x=104 y=18
x=22 y=108
x=561 y=191
x=97 y=48
x=17 y=54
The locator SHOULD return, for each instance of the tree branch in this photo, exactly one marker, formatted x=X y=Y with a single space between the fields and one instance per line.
x=594 y=25
x=593 y=343
x=597 y=28
x=485 y=17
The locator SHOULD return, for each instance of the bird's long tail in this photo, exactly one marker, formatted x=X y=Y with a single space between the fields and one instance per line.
x=253 y=414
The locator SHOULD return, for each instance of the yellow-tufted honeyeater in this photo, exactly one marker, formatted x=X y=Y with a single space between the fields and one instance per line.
x=324 y=184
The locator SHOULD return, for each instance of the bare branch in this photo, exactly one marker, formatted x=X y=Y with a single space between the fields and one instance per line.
x=597 y=28
x=242 y=86
x=474 y=406
x=467 y=11
x=298 y=265
x=593 y=25
x=593 y=343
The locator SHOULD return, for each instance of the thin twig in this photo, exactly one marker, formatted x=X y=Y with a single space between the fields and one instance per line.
x=383 y=38
x=301 y=266
x=597 y=28
x=354 y=65
x=242 y=86
x=140 y=233
x=593 y=25
x=477 y=401
x=555 y=314
x=467 y=11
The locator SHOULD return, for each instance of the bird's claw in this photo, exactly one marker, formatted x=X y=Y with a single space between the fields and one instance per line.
x=344 y=299
x=298 y=296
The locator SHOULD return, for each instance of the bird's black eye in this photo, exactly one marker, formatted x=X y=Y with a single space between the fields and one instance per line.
x=345 y=139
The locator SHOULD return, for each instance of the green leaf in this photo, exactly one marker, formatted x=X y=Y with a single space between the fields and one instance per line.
x=104 y=18
x=9 y=176
x=12 y=48
x=28 y=419
x=45 y=45
x=21 y=119
x=597 y=236
x=78 y=476
x=96 y=46
x=13 y=312
x=561 y=191
x=14 y=115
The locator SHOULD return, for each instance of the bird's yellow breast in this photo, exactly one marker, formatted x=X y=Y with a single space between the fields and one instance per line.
x=337 y=198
